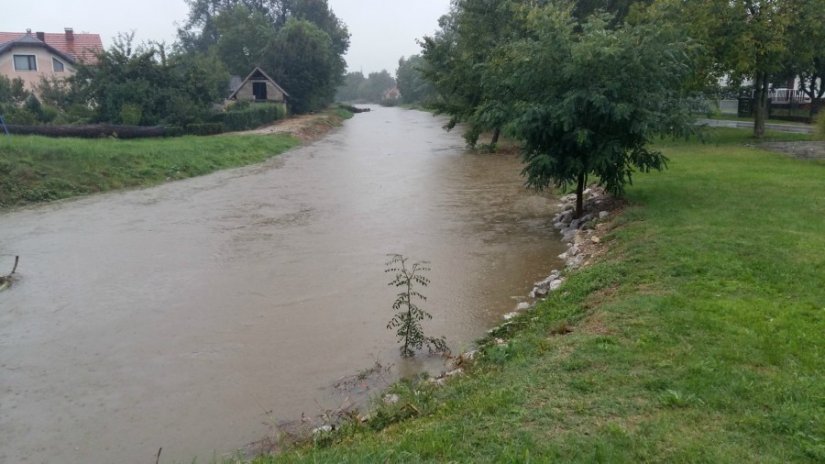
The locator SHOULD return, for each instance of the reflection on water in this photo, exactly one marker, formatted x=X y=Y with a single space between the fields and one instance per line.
x=190 y=315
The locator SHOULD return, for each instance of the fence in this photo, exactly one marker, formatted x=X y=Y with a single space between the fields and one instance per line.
x=785 y=104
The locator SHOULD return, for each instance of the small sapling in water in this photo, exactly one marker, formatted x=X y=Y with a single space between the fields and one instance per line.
x=408 y=316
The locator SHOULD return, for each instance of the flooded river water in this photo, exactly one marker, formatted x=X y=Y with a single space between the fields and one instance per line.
x=191 y=315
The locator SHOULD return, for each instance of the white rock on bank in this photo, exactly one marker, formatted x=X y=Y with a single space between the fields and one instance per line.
x=322 y=429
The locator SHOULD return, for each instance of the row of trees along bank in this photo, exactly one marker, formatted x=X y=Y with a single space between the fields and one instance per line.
x=299 y=43
x=587 y=85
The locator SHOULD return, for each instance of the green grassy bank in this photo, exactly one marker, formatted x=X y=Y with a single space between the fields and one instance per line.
x=700 y=337
x=36 y=169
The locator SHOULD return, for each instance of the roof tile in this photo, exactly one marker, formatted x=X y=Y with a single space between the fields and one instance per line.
x=83 y=48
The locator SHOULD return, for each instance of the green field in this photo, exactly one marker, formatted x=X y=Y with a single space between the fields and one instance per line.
x=700 y=337
x=37 y=169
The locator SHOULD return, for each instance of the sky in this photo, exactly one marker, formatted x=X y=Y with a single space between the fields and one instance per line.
x=382 y=30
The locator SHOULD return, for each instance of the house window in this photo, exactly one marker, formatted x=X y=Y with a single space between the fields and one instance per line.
x=58 y=65
x=25 y=63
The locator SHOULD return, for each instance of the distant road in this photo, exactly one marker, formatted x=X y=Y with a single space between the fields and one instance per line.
x=789 y=127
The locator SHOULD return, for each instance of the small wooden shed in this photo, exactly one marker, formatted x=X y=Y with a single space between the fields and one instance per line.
x=259 y=87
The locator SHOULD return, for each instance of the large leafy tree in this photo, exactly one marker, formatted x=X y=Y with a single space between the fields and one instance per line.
x=348 y=91
x=12 y=91
x=457 y=59
x=413 y=86
x=141 y=85
x=807 y=57
x=582 y=9
x=357 y=88
x=591 y=98
x=753 y=39
x=286 y=38
x=302 y=60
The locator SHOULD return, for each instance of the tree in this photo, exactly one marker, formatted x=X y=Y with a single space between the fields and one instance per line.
x=374 y=87
x=302 y=59
x=242 y=38
x=582 y=9
x=413 y=86
x=748 y=39
x=408 y=317
x=348 y=90
x=141 y=85
x=457 y=57
x=12 y=91
x=286 y=38
x=807 y=60
x=591 y=98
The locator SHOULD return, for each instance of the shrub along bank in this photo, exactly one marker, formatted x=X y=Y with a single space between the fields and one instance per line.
x=697 y=338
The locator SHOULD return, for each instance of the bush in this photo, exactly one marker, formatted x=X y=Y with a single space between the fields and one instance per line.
x=207 y=128
x=250 y=117
x=130 y=114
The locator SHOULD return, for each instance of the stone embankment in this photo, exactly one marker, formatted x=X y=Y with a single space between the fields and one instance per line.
x=583 y=237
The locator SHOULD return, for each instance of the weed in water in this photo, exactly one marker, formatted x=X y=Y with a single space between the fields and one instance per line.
x=409 y=316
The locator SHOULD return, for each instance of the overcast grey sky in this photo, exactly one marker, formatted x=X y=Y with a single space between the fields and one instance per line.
x=382 y=30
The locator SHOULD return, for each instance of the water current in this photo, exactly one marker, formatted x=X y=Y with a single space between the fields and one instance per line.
x=193 y=315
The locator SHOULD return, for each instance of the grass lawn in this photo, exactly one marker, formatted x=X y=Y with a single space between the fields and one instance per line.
x=700 y=337
x=36 y=169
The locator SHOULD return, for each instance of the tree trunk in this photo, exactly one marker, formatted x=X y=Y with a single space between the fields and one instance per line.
x=580 y=196
x=760 y=104
x=496 y=134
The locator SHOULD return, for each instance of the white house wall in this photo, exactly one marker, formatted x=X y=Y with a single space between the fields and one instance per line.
x=44 y=65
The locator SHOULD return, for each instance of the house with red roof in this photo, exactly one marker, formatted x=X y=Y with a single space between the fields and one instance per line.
x=32 y=56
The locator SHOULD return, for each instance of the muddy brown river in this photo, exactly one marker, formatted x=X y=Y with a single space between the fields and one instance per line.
x=194 y=315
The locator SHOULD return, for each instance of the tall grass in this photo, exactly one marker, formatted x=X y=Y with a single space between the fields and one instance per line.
x=36 y=169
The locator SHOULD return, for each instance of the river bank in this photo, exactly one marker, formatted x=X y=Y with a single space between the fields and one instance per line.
x=693 y=338
x=39 y=169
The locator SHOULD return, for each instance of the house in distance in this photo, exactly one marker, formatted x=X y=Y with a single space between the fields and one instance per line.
x=32 y=56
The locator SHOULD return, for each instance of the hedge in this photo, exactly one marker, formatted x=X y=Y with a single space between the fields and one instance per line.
x=253 y=116
x=92 y=131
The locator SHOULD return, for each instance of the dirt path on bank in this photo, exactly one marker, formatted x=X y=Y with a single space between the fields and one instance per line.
x=306 y=127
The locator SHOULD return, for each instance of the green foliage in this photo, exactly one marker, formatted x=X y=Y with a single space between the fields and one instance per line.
x=591 y=98
x=243 y=117
x=760 y=41
x=458 y=59
x=618 y=8
x=414 y=88
x=357 y=88
x=305 y=63
x=12 y=91
x=408 y=317
x=177 y=89
x=130 y=114
x=300 y=43
x=206 y=128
